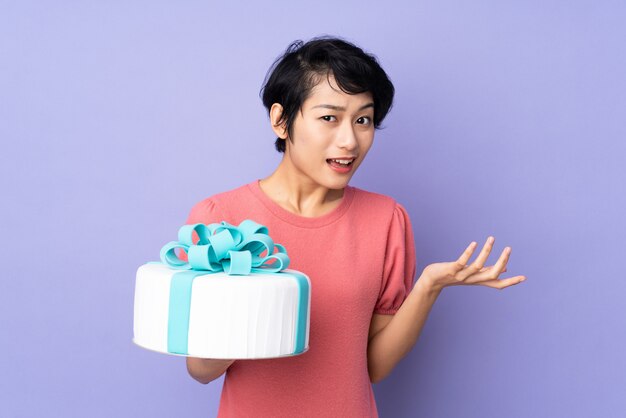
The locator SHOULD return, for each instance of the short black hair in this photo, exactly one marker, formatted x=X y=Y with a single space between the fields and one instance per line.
x=292 y=76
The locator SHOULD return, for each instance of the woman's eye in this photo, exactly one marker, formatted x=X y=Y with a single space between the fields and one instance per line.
x=363 y=120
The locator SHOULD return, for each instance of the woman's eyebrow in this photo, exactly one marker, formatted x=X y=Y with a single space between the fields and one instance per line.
x=328 y=106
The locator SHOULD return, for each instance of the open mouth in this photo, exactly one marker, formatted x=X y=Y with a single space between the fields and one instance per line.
x=340 y=163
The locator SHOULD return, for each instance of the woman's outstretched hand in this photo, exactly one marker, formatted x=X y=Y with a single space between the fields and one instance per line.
x=455 y=273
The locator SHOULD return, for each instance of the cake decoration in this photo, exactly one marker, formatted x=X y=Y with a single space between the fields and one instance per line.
x=225 y=250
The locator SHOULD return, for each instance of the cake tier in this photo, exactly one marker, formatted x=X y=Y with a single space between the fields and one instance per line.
x=229 y=317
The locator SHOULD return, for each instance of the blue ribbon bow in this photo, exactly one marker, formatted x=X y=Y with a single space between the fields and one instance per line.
x=228 y=248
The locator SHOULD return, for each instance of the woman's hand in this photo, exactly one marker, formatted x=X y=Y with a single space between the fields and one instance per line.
x=440 y=275
x=205 y=370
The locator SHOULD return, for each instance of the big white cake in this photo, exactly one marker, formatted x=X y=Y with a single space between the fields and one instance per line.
x=218 y=305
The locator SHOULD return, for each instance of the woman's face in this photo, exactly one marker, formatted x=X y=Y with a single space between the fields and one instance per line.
x=330 y=125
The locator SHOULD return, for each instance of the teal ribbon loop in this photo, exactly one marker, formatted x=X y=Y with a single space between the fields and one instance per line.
x=235 y=250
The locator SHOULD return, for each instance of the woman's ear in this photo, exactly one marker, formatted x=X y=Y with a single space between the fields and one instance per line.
x=276 y=112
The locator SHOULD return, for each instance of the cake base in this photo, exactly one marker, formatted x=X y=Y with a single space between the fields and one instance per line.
x=215 y=315
x=219 y=358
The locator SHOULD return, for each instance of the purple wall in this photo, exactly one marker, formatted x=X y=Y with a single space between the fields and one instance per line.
x=509 y=120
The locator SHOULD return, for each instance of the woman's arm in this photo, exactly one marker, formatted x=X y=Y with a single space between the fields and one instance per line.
x=206 y=370
x=389 y=345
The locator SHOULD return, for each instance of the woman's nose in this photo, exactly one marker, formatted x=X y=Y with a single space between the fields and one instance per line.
x=347 y=137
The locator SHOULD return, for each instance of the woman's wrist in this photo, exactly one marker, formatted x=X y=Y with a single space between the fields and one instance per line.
x=428 y=285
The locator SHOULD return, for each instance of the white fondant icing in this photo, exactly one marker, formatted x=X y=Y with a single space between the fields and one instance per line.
x=251 y=316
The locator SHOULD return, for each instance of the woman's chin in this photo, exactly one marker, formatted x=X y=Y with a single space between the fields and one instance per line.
x=338 y=183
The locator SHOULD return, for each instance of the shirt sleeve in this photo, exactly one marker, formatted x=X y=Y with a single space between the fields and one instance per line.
x=204 y=212
x=399 y=265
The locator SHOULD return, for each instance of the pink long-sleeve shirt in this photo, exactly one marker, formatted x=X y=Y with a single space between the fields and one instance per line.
x=360 y=258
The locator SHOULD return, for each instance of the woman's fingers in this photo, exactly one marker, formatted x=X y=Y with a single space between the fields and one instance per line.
x=482 y=257
x=489 y=267
x=477 y=265
x=464 y=258
x=501 y=284
x=504 y=258
x=477 y=274
x=488 y=273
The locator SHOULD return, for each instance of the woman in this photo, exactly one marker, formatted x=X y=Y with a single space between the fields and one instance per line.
x=325 y=99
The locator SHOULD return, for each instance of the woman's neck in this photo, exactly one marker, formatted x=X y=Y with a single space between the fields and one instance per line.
x=298 y=193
